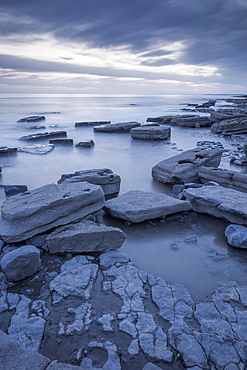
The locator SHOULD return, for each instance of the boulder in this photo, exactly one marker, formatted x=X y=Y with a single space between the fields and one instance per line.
x=11 y=190
x=36 y=149
x=229 y=113
x=230 y=126
x=109 y=181
x=219 y=202
x=150 y=132
x=83 y=237
x=92 y=123
x=61 y=141
x=137 y=206
x=44 y=135
x=21 y=262
x=4 y=150
x=14 y=355
x=85 y=144
x=34 y=212
x=184 y=167
x=31 y=119
x=236 y=236
x=227 y=178
x=117 y=127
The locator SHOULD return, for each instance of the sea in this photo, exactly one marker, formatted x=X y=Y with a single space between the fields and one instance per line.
x=189 y=250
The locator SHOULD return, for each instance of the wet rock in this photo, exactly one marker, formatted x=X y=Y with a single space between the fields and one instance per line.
x=187 y=120
x=137 y=206
x=54 y=365
x=219 y=202
x=105 y=321
x=112 y=361
x=36 y=149
x=117 y=127
x=104 y=177
x=91 y=123
x=82 y=319
x=61 y=141
x=83 y=237
x=11 y=190
x=4 y=150
x=227 y=114
x=31 y=119
x=85 y=144
x=236 y=236
x=35 y=127
x=112 y=258
x=44 y=135
x=150 y=133
x=31 y=213
x=184 y=167
x=231 y=126
x=14 y=355
x=21 y=262
x=224 y=177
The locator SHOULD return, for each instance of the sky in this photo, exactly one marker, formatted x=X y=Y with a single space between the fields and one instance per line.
x=143 y=47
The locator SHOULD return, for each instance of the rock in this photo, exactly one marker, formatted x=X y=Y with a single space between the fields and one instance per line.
x=230 y=126
x=31 y=119
x=31 y=213
x=11 y=190
x=83 y=237
x=187 y=120
x=21 y=262
x=117 y=127
x=92 y=123
x=44 y=135
x=104 y=177
x=225 y=114
x=137 y=206
x=85 y=144
x=184 y=167
x=36 y=149
x=36 y=127
x=227 y=178
x=54 y=365
x=61 y=141
x=219 y=202
x=14 y=355
x=236 y=236
x=4 y=150
x=150 y=133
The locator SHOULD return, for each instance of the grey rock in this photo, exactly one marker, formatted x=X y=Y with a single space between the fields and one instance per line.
x=191 y=351
x=231 y=126
x=4 y=150
x=14 y=355
x=150 y=366
x=242 y=291
x=11 y=190
x=112 y=361
x=54 y=365
x=85 y=236
x=31 y=119
x=109 y=181
x=21 y=263
x=137 y=206
x=82 y=319
x=85 y=144
x=61 y=141
x=184 y=167
x=31 y=213
x=36 y=127
x=117 y=127
x=44 y=135
x=222 y=354
x=162 y=297
x=225 y=114
x=150 y=133
x=236 y=236
x=219 y=202
x=91 y=123
x=186 y=120
x=133 y=348
x=105 y=321
x=128 y=325
x=112 y=258
x=36 y=149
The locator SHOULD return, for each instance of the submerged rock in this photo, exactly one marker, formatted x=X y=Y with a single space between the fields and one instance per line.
x=49 y=206
x=83 y=237
x=117 y=127
x=61 y=141
x=137 y=206
x=91 y=123
x=184 y=167
x=150 y=132
x=236 y=236
x=36 y=149
x=31 y=119
x=44 y=135
x=4 y=150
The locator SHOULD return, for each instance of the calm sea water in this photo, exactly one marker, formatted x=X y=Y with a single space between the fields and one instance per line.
x=200 y=265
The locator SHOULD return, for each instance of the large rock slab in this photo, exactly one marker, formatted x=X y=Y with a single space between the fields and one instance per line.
x=44 y=135
x=21 y=262
x=185 y=120
x=117 y=127
x=83 y=237
x=224 y=177
x=137 y=206
x=25 y=215
x=225 y=114
x=219 y=202
x=109 y=181
x=150 y=132
x=91 y=123
x=14 y=355
x=230 y=126
x=184 y=167
x=31 y=119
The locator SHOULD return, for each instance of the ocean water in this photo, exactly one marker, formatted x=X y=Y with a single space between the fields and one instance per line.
x=190 y=250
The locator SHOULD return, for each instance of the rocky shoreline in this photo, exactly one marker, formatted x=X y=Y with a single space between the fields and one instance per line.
x=70 y=299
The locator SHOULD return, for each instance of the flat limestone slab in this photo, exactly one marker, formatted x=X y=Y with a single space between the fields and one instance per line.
x=219 y=202
x=137 y=206
x=85 y=236
x=49 y=206
x=150 y=132
x=117 y=127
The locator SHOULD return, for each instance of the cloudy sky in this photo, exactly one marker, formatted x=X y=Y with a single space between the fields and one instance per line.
x=123 y=46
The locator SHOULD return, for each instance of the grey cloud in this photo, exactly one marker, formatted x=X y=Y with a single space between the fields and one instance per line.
x=158 y=62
